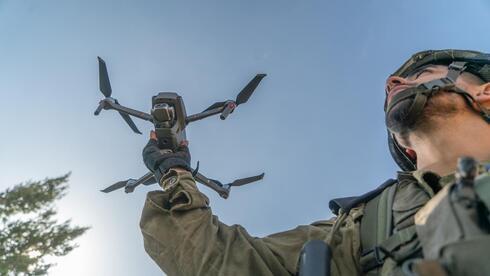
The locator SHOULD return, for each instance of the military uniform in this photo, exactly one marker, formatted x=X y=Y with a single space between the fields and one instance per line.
x=373 y=234
x=184 y=238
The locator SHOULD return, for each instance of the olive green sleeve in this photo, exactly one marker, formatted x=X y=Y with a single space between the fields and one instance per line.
x=184 y=238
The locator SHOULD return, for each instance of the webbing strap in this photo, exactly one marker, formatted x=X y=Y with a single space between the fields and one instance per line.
x=425 y=90
x=369 y=237
x=398 y=239
x=390 y=199
x=376 y=227
x=455 y=69
x=416 y=108
x=377 y=255
x=369 y=225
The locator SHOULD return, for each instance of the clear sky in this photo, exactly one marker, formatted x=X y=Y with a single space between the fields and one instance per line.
x=315 y=125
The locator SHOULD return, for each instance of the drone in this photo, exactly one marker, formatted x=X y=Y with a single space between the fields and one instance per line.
x=170 y=119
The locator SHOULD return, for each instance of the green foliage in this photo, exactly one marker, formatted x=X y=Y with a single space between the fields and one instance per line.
x=29 y=231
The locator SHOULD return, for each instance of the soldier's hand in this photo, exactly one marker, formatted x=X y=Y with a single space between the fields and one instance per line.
x=159 y=161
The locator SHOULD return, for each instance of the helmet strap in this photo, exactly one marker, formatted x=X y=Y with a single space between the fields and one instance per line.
x=423 y=91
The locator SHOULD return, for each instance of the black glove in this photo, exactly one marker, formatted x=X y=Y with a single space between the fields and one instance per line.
x=159 y=161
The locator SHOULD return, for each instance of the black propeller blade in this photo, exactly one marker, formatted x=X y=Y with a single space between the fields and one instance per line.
x=115 y=186
x=244 y=95
x=247 y=91
x=130 y=184
x=104 y=84
x=243 y=181
x=130 y=122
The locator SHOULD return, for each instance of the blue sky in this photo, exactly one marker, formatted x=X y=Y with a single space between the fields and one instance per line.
x=315 y=125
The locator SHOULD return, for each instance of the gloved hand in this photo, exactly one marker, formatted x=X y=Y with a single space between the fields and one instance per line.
x=160 y=161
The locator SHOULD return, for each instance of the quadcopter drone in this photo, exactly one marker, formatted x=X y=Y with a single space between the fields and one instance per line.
x=169 y=118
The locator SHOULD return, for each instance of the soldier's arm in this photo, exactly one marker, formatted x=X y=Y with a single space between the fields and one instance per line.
x=184 y=238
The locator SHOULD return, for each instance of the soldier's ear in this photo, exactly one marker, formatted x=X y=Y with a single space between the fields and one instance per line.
x=405 y=143
x=411 y=153
x=483 y=94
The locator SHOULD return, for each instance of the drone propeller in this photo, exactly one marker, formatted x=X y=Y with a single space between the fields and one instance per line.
x=247 y=180
x=240 y=182
x=247 y=91
x=104 y=83
x=130 y=122
x=243 y=96
x=105 y=88
x=130 y=184
x=116 y=186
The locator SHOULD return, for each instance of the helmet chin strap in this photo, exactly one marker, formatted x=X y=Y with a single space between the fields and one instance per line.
x=424 y=91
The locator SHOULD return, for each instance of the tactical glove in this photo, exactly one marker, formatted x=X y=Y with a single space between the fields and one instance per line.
x=160 y=161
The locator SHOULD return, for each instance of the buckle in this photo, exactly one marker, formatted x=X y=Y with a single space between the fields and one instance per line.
x=371 y=259
x=457 y=66
x=379 y=255
x=438 y=84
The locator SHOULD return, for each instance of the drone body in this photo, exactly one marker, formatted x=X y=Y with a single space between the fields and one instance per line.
x=170 y=119
x=169 y=115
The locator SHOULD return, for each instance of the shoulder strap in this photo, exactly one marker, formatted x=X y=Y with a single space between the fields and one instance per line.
x=347 y=203
x=378 y=240
x=376 y=227
x=373 y=259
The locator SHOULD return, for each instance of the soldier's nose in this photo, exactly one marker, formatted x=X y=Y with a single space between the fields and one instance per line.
x=393 y=82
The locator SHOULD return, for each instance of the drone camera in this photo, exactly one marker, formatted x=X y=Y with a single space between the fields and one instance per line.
x=163 y=113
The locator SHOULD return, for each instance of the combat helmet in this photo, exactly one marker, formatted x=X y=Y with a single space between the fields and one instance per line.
x=458 y=61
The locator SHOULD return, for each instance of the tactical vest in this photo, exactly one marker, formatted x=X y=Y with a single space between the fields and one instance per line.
x=379 y=239
x=389 y=251
x=454 y=230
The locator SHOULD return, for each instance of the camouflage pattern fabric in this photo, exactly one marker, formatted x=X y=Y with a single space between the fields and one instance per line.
x=434 y=57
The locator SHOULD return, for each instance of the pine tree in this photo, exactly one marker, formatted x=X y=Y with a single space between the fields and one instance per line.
x=29 y=231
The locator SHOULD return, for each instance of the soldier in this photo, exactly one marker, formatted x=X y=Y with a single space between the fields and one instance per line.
x=436 y=111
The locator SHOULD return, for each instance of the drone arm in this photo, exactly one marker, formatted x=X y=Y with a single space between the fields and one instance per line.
x=130 y=186
x=148 y=179
x=220 y=189
x=99 y=108
x=204 y=114
x=129 y=111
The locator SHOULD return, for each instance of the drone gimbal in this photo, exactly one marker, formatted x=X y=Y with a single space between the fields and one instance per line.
x=169 y=118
